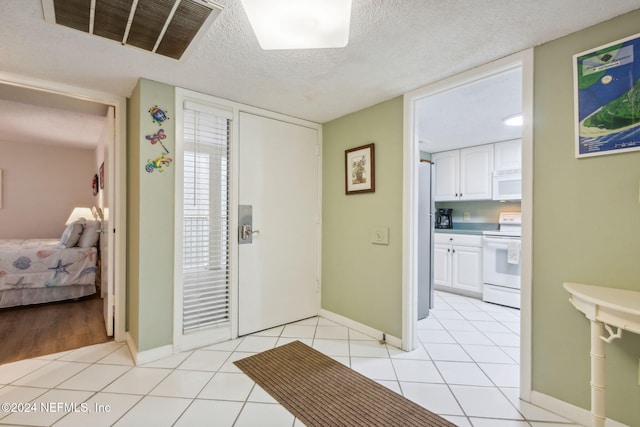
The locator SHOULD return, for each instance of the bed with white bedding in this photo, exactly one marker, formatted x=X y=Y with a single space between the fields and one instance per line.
x=42 y=270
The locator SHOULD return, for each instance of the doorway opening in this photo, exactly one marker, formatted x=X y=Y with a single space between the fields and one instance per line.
x=416 y=141
x=47 y=117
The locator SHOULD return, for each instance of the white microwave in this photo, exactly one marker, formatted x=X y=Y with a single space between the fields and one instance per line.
x=507 y=184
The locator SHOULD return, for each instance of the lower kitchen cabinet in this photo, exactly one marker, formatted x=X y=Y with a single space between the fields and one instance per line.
x=457 y=263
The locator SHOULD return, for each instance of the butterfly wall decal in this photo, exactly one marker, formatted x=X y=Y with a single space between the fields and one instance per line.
x=157 y=138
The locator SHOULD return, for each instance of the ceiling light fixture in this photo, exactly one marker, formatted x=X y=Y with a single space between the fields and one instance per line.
x=515 y=120
x=299 y=24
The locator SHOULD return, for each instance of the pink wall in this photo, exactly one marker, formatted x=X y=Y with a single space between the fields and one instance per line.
x=41 y=186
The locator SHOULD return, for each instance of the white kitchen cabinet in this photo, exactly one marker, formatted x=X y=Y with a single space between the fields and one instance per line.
x=476 y=167
x=508 y=155
x=507 y=173
x=457 y=263
x=446 y=175
x=464 y=174
x=442 y=258
x=467 y=268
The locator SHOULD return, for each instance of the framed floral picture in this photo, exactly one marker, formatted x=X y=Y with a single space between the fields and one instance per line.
x=360 y=170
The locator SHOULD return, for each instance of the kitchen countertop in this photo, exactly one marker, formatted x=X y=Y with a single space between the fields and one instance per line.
x=468 y=228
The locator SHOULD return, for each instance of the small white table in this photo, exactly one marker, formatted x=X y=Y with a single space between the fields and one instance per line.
x=606 y=308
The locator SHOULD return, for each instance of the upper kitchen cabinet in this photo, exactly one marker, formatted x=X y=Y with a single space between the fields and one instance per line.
x=476 y=166
x=463 y=174
x=508 y=155
x=446 y=175
x=507 y=174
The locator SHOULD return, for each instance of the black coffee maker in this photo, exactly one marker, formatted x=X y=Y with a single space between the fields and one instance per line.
x=444 y=218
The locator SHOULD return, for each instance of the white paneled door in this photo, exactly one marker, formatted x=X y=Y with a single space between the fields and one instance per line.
x=107 y=246
x=279 y=179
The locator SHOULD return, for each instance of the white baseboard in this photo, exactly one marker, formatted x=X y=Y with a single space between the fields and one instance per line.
x=142 y=357
x=567 y=410
x=363 y=329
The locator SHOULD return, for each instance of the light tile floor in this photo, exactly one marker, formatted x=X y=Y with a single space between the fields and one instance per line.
x=465 y=368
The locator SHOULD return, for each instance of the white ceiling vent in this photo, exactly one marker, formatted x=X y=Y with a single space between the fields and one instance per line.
x=165 y=27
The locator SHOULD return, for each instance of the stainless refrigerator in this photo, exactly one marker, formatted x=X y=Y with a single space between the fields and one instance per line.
x=426 y=222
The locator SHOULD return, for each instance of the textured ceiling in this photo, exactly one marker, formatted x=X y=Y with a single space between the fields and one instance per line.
x=471 y=114
x=395 y=46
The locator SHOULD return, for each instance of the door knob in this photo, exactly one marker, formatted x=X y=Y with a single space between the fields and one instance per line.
x=245 y=221
x=245 y=231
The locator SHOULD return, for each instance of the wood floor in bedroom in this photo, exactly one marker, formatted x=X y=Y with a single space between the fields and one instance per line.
x=42 y=329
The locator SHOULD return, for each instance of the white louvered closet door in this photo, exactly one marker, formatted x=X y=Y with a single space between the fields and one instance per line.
x=205 y=288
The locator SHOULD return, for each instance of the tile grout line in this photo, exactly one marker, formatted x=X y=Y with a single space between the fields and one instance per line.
x=461 y=345
x=524 y=418
x=315 y=339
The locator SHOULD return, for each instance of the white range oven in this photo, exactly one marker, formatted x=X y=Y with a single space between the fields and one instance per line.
x=501 y=261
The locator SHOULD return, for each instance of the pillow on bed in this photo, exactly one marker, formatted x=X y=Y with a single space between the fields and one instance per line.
x=90 y=235
x=72 y=234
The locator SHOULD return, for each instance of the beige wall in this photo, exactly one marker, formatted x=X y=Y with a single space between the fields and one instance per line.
x=150 y=221
x=360 y=280
x=586 y=229
x=41 y=186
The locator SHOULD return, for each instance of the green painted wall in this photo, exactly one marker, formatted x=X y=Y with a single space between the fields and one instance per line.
x=586 y=229
x=360 y=280
x=150 y=220
x=133 y=214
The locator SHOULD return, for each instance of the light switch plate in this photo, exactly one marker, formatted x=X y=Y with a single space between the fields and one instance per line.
x=380 y=236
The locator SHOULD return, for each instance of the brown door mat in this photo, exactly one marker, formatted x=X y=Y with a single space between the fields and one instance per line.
x=323 y=392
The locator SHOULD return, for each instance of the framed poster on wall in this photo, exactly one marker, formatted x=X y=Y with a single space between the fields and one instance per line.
x=607 y=98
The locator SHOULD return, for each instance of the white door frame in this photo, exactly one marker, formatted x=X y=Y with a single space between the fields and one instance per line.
x=117 y=149
x=411 y=158
x=237 y=108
